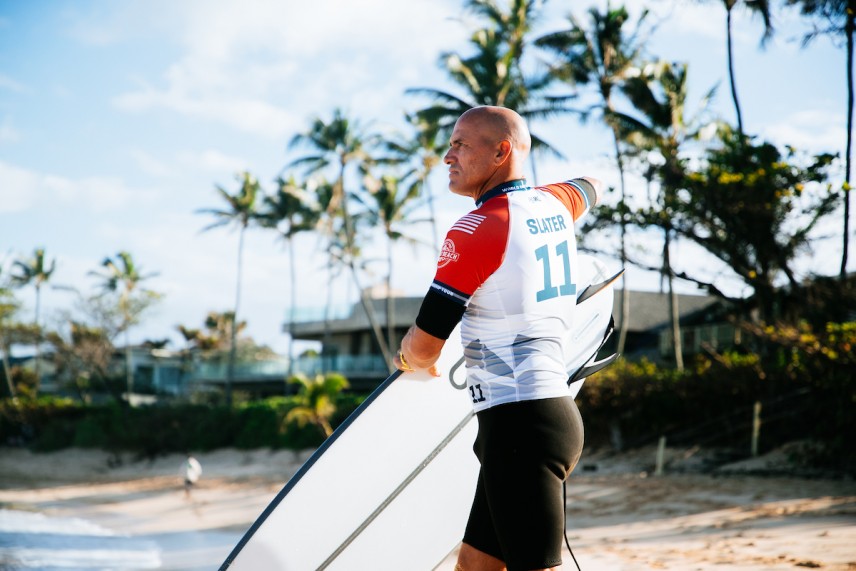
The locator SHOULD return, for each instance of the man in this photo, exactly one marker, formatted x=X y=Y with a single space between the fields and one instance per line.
x=506 y=271
x=191 y=470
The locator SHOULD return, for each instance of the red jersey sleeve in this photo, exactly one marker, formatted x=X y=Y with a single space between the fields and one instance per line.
x=572 y=195
x=473 y=249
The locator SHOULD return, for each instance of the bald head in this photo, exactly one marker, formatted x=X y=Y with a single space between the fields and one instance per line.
x=501 y=123
x=489 y=146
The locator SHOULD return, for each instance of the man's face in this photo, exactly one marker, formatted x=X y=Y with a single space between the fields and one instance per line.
x=470 y=158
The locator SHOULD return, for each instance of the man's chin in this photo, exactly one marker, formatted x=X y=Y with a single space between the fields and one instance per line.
x=455 y=189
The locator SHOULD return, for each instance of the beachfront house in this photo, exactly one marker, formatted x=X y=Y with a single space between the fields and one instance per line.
x=348 y=345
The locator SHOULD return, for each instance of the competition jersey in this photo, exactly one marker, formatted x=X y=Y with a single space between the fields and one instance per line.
x=512 y=263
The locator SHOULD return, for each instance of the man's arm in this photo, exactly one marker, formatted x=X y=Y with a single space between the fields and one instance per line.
x=578 y=195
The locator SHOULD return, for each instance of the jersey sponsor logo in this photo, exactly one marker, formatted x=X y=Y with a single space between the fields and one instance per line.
x=468 y=223
x=448 y=253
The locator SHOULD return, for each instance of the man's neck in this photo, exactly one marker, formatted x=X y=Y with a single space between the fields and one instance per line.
x=502 y=188
x=495 y=180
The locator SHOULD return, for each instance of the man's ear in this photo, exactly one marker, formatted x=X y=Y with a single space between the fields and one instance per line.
x=503 y=151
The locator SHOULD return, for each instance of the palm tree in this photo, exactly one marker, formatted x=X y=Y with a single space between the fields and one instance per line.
x=37 y=272
x=123 y=274
x=317 y=400
x=426 y=149
x=837 y=18
x=494 y=74
x=603 y=55
x=659 y=93
x=289 y=212
x=391 y=204
x=8 y=307
x=339 y=144
x=761 y=8
x=241 y=209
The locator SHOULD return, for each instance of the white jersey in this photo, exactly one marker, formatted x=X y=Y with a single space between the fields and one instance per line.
x=512 y=262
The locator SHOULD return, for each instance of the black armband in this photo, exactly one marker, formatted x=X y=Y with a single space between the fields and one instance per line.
x=439 y=315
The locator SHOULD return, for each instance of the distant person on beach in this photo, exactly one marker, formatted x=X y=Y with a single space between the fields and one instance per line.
x=191 y=469
x=506 y=272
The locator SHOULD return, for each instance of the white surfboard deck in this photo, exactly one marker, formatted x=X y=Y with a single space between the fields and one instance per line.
x=392 y=487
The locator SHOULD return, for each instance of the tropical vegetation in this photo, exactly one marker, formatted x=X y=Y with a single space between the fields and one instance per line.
x=751 y=205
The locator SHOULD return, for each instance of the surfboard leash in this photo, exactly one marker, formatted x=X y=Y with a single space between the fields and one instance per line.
x=567 y=541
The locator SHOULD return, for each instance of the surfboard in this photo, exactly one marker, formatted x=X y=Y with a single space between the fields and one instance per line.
x=392 y=487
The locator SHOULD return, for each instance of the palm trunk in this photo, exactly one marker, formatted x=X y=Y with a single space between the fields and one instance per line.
x=370 y=314
x=390 y=301
x=731 y=72
x=349 y=245
x=293 y=278
x=326 y=363
x=433 y=214
x=7 y=371
x=37 y=365
x=129 y=372
x=850 y=27
x=677 y=342
x=624 y=319
x=230 y=369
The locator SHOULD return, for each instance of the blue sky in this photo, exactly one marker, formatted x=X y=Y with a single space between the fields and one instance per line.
x=117 y=120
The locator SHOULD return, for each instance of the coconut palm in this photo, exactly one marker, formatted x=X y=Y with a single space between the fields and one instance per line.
x=426 y=149
x=659 y=94
x=289 y=212
x=604 y=54
x=757 y=7
x=837 y=18
x=494 y=74
x=316 y=400
x=241 y=210
x=123 y=275
x=34 y=271
x=340 y=144
x=8 y=307
x=391 y=202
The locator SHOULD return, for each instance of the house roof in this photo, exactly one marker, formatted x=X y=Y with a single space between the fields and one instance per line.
x=649 y=311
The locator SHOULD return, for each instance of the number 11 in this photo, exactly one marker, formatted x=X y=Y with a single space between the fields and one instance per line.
x=550 y=291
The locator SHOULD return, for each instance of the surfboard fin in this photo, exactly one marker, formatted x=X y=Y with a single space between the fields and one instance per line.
x=594 y=288
x=588 y=369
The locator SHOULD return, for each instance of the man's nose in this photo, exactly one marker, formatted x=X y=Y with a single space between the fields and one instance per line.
x=446 y=158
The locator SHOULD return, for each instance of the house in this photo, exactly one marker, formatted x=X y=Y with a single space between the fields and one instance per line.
x=349 y=347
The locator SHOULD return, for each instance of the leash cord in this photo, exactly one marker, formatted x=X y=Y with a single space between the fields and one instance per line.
x=567 y=542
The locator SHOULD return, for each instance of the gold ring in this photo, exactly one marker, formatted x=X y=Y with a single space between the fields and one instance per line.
x=404 y=364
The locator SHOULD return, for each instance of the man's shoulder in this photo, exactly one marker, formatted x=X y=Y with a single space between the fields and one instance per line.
x=492 y=214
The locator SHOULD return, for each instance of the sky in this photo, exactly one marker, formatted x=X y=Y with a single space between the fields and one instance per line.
x=119 y=119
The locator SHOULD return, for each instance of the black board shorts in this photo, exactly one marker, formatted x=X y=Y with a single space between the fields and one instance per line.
x=526 y=450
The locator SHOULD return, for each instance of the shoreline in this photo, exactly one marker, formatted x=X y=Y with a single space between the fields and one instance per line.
x=620 y=518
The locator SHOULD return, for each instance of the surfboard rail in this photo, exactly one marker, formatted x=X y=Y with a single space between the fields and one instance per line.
x=377 y=507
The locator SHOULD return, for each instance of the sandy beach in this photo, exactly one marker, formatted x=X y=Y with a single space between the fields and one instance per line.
x=620 y=516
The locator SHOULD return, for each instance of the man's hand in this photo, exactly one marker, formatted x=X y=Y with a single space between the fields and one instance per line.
x=419 y=350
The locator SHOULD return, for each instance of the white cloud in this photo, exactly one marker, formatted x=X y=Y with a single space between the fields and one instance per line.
x=24 y=189
x=150 y=164
x=253 y=66
x=18 y=191
x=812 y=130
x=213 y=161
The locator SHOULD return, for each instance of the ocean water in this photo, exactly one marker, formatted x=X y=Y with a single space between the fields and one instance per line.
x=35 y=541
